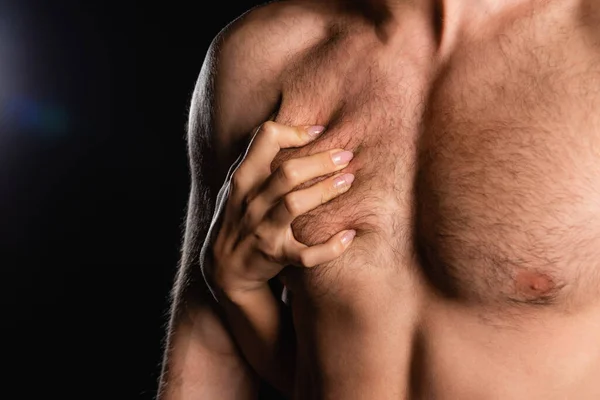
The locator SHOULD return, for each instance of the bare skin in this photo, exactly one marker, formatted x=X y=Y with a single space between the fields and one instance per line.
x=255 y=242
x=475 y=270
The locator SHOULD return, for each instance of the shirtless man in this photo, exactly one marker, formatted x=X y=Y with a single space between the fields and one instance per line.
x=475 y=129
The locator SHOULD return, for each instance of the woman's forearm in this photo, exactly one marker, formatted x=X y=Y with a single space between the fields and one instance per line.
x=261 y=326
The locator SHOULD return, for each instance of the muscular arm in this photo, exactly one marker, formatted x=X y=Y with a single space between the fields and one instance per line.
x=232 y=96
x=201 y=361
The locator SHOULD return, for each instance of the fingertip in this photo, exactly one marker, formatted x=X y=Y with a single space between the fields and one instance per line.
x=315 y=130
x=348 y=236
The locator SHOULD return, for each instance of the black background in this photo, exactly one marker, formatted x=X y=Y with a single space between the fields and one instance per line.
x=94 y=181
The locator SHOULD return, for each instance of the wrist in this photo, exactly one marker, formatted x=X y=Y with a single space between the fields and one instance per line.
x=244 y=295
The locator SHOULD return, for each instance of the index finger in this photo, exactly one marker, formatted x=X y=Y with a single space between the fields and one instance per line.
x=268 y=140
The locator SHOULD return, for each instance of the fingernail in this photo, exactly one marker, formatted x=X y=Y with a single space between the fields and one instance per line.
x=343 y=181
x=341 y=158
x=315 y=130
x=348 y=236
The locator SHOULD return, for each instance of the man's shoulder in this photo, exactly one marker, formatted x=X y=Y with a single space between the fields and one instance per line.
x=272 y=31
x=240 y=82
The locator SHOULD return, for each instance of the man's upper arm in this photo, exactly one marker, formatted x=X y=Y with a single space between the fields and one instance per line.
x=231 y=97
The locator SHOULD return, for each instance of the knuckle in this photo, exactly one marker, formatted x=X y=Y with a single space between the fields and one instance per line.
x=252 y=211
x=269 y=129
x=251 y=196
x=327 y=193
x=305 y=260
x=290 y=172
x=259 y=235
x=292 y=204
x=238 y=178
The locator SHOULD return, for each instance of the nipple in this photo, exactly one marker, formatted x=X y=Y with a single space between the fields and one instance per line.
x=534 y=285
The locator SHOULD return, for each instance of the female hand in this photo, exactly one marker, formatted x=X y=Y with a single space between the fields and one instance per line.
x=255 y=240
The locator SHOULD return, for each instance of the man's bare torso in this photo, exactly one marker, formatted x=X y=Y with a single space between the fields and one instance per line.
x=475 y=272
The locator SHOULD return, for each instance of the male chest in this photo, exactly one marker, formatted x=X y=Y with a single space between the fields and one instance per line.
x=508 y=165
x=479 y=167
x=371 y=99
x=486 y=168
